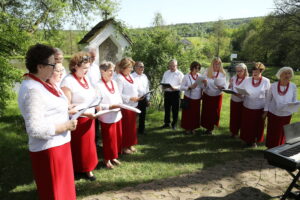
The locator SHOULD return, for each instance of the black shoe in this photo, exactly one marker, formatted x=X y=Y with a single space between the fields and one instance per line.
x=165 y=126
x=208 y=132
x=91 y=178
x=174 y=127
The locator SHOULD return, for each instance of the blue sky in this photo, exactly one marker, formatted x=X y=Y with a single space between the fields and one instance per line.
x=140 y=13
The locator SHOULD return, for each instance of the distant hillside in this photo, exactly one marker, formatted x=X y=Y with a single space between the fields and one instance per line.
x=198 y=29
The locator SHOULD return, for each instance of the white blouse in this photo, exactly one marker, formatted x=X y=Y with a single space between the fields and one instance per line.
x=94 y=74
x=127 y=90
x=211 y=89
x=173 y=78
x=257 y=97
x=143 y=84
x=42 y=111
x=275 y=102
x=234 y=85
x=188 y=81
x=109 y=99
x=80 y=95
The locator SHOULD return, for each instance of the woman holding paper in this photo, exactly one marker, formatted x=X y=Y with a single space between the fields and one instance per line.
x=78 y=90
x=236 y=102
x=111 y=123
x=252 y=126
x=280 y=94
x=45 y=111
x=192 y=92
x=212 y=95
x=129 y=93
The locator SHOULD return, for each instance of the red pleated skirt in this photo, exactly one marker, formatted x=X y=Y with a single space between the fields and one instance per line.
x=83 y=145
x=236 y=109
x=129 y=137
x=111 y=139
x=211 y=110
x=190 y=119
x=275 y=131
x=252 y=126
x=53 y=173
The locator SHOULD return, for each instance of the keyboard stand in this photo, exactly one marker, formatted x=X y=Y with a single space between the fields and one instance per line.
x=288 y=192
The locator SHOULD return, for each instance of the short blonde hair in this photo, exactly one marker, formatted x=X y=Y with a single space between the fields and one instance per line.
x=244 y=67
x=125 y=63
x=259 y=66
x=210 y=69
x=283 y=69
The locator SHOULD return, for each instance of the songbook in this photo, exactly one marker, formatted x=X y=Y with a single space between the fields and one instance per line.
x=229 y=91
x=242 y=91
x=102 y=112
x=166 y=85
x=291 y=107
x=129 y=108
x=200 y=79
x=145 y=95
x=93 y=102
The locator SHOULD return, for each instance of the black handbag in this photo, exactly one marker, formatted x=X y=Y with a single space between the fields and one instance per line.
x=185 y=103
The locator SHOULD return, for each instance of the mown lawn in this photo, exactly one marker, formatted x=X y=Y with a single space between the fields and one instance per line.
x=161 y=154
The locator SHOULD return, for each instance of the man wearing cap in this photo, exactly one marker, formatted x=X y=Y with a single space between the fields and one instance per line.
x=143 y=88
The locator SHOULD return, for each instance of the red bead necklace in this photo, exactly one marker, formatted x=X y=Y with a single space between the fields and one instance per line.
x=85 y=85
x=193 y=76
x=237 y=82
x=282 y=93
x=216 y=76
x=130 y=80
x=256 y=84
x=112 y=89
x=48 y=86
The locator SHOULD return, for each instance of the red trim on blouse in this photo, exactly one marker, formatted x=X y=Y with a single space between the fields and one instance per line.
x=85 y=85
x=48 y=86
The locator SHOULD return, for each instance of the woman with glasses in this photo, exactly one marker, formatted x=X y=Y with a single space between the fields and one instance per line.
x=190 y=119
x=129 y=93
x=281 y=92
x=79 y=91
x=236 y=102
x=252 y=126
x=45 y=111
x=212 y=95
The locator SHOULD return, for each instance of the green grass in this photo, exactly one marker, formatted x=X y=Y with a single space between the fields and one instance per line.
x=161 y=154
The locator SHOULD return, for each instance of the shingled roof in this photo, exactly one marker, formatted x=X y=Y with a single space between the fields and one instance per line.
x=98 y=27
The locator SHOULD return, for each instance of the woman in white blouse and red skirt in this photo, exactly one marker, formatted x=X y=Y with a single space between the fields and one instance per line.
x=280 y=93
x=78 y=90
x=236 y=102
x=129 y=93
x=45 y=111
x=252 y=126
x=212 y=95
x=111 y=123
x=190 y=119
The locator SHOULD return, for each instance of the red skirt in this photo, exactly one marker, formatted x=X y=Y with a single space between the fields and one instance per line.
x=111 y=139
x=211 y=110
x=129 y=137
x=53 y=173
x=190 y=119
x=252 y=126
x=275 y=132
x=83 y=145
x=235 y=117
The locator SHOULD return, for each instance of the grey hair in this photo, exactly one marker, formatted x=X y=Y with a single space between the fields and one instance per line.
x=89 y=49
x=106 y=65
x=58 y=51
x=138 y=63
x=281 y=70
x=244 y=67
x=174 y=61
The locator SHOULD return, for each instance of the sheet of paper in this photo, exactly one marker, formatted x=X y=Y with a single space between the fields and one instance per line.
x=199 y=80
x=102 y=112
x=291 y=107
x=130 y=108
x=241 y=91
x=87 y=106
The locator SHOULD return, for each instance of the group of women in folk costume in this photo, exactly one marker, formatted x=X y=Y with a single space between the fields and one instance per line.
x=59 y=146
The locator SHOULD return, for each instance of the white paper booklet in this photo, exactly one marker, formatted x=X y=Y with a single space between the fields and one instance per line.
x=130 y=108
x=291 y=107
x=84 y=107
x=242 y=91
x=200 y=79
x=102 y=112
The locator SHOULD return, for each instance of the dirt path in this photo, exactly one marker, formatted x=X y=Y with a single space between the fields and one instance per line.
x=250 y=179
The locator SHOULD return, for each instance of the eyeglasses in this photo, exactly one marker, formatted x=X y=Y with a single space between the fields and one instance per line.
x=85 y=59
x=59 y=70
x=49 y=64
